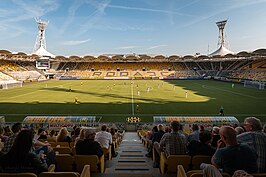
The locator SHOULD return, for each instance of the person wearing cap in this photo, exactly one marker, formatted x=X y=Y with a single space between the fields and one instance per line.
x=88 y=146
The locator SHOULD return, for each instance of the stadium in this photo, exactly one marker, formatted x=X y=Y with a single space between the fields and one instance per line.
x=111 y=86
x=131 y=97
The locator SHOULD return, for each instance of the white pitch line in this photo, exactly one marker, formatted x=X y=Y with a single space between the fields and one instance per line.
x=36 y=91
x=132 y=97
x=236 y=93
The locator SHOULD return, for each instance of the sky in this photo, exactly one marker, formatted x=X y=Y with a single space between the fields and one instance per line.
x=153 y=27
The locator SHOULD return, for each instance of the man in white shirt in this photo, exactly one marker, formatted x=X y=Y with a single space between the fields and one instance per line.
x=105 y=139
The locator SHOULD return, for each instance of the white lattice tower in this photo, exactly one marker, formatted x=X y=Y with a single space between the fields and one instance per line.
x=40 y=39
x=221 y=38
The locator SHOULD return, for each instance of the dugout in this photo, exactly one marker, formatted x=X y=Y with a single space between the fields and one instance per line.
x=205 y=121
x=56 y=122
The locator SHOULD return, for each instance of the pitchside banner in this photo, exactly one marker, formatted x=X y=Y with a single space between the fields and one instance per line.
x=217 y=120
x=60 y=121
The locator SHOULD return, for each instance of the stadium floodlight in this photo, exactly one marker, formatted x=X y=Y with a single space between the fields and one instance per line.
x=221 y=25
x=40 y=39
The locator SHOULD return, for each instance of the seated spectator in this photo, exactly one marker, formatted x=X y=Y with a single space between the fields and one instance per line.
x=42 y=135
x=195 y=134
x=20 y=158
x=256 y=139
x=88 y=146
x=215 y=136
x=202 y=147
x=239 y=130
x=75 y=134
x=2 y=136
x=63 y=135
x=173 y=143
x=105 y=139
x=16 y=128
x=231 y=156
x=264 y=128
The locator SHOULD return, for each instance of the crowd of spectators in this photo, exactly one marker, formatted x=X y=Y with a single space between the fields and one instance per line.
x=232 y=147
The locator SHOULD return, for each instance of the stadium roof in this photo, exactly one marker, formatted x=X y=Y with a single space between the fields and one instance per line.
x=43 y=52
x=222 y=51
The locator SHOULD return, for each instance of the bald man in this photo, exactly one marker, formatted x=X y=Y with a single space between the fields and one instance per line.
x=231 y=156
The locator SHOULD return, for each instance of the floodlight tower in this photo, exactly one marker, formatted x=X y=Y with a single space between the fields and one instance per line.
x=221 y=39
x=40 y=39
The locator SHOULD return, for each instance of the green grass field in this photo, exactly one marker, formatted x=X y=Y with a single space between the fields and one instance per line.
x=115 y=100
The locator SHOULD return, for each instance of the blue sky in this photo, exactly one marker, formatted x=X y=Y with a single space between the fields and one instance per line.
x=168 y=27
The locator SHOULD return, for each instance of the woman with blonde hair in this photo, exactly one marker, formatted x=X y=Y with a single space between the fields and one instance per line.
x=63 y=135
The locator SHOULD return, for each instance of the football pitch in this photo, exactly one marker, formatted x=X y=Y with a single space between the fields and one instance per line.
x=115 y=100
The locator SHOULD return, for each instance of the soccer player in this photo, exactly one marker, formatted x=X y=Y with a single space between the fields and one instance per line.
x=186 y=94
x=233 y=85
x=137 y=108
x=221 y=111
x=138 y=93
x=76 y=100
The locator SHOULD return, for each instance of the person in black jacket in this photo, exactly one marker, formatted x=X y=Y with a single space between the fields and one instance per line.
x=20 y=158
x=88 y=146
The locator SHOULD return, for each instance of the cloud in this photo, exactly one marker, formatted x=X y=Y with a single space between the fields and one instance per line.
x=233 y=6
x=78 y=42
x=150 y=10
x=157 y=46
x=128 y=47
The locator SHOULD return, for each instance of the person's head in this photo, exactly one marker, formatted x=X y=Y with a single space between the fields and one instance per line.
x=252 y=124
x=228 y=135
x=22 y=144
x=52 y=133
x=239 y=130
x=160 y=127
x=89 y=133
x=175 y=126
x=104 y=128
x=205 y=137
x=112 y=131
x=16 y=127
x=215 y=130
x=63 y=132
x=77 y=131
x=155 y=129
x=41 y=131
x=195 y=127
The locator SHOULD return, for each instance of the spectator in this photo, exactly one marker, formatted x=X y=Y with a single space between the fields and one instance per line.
x=195 y=134
x=202 y=147
x=264 y=128
x=63 y=135
x=105 y=139
x=239 y=130
x=231 y=156
x=16 y=128
x=173 y=143
x=256 y=139
x=215 y=136
x=88 y=146
x=2 y=136
x=20 y=158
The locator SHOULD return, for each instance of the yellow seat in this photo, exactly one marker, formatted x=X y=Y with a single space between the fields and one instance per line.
x=170 y=163
x=198 y=159
x=199 y=173
x=63 y=150
x=181 y=171
x=92 y=160
x=64 y=162
x=85 y=173
x=107 y=152
x=62 y=144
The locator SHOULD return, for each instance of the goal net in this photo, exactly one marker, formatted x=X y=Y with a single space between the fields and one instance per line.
x=254 y=84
